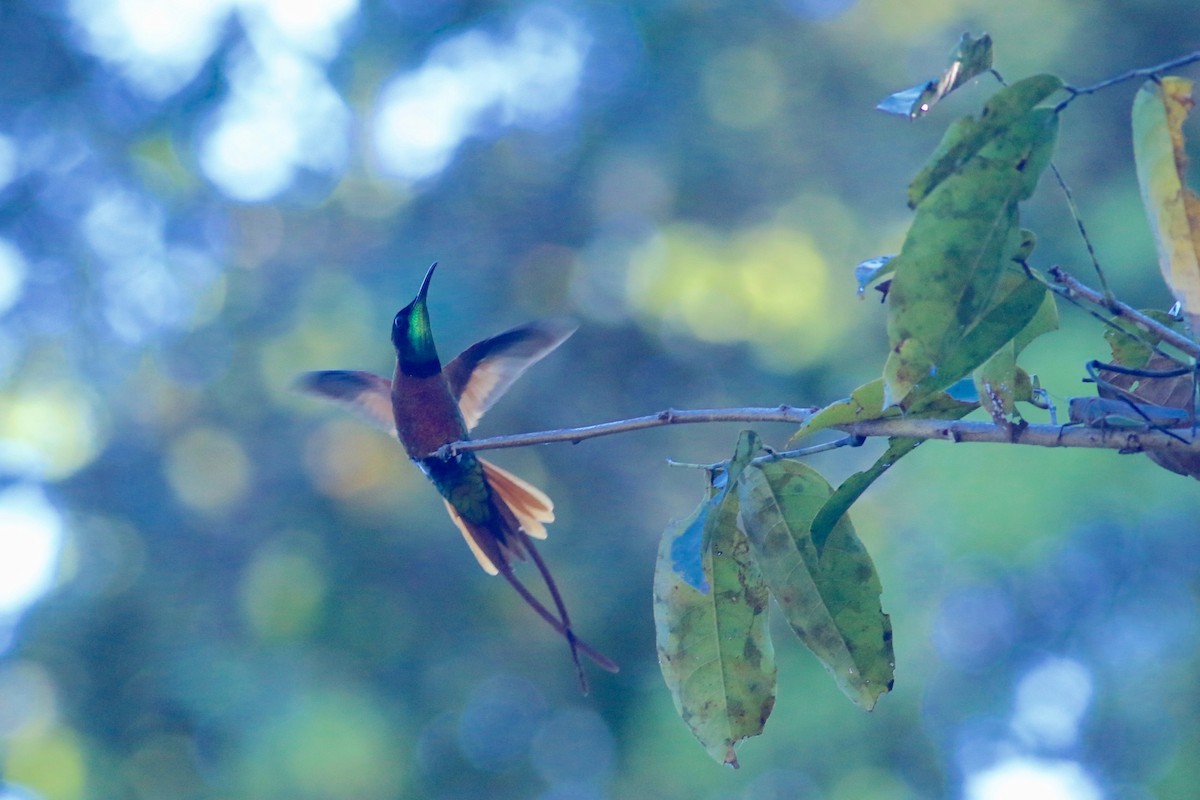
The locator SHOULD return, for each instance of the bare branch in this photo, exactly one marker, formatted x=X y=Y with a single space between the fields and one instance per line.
x=1145 y=72
x=1125 y=440
x=1083 y=292
x=668 y=417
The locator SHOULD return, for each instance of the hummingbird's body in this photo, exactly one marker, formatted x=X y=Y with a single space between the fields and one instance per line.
x=427 y=407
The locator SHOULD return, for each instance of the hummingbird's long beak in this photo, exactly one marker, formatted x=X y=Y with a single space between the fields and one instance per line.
x=411 y=335
x=425 y=284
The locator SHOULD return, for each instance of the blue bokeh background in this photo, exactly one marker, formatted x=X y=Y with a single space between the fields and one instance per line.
x=211 y=587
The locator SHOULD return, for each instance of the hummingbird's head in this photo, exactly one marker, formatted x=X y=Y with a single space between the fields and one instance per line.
x=412 y=336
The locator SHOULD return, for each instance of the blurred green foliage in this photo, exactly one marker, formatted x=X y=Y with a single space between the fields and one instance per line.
x=252 y=596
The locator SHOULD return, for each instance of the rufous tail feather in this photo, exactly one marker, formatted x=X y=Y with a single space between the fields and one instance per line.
x=530 y=504
x=520 y=543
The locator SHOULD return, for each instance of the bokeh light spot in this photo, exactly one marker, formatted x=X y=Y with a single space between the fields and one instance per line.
x=743 y=87
x=575 y=745
x=165 y=765
x=208 y=469
x=9 y=160
x=313 y=25
x=31 y=538
x=499 y=722
x=330 y=744
x=49 y=762
x=28 y=700
x=768 y=286
x=56 y=423
x=1032 y=779
x=335 y=325
x=472 y=82
x=1051 y=701
x=282 y=593
x=13 y=270
x=282 y=116
x=346 y=458
x=157 y=44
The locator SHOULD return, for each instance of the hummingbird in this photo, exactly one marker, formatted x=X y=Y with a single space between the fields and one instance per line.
x=427 y=407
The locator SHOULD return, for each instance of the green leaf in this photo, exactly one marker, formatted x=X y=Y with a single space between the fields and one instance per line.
x=714 y=649
x=999 y=325
x=1025 y=248
x=942 y=405
x=970 y=58
x=689 y=548
x=1160 y=153
x=853 y=487
x=830 y=599
x=1006 y=111
x=1131 y=346
x=999 y=382
x=944 y=319
x=865 y=402
x=1045 y=320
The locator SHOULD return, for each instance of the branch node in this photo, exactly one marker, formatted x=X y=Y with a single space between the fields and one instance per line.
x=1133 y=444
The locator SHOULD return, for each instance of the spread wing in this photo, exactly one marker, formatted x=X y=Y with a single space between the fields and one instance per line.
x=485 y=370
x=367 y=394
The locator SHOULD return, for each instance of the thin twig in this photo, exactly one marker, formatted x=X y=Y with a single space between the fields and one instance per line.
x=1074 y=209
x=1145 y=72
x=776 y=455
x=1111 y=438
x=1104 y=319
x=1084 y=292
x=811 y=450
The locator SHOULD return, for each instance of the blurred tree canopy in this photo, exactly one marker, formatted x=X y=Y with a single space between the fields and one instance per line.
x=213 y=587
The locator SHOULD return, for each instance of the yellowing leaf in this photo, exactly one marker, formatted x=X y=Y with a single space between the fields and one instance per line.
x=714 y=648
x=1174 y=210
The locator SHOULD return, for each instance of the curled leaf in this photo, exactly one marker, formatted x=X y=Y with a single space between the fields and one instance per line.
x=869 y=271
x=970 y=58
